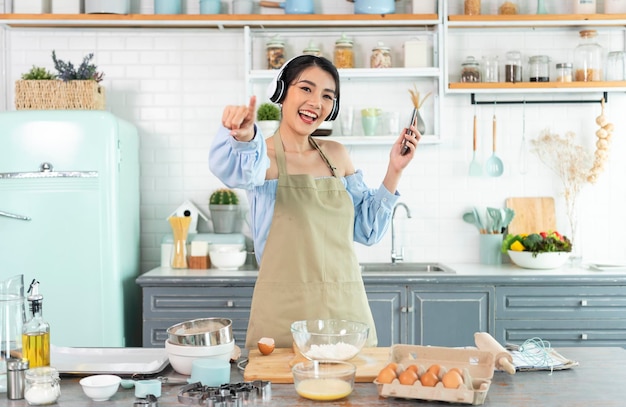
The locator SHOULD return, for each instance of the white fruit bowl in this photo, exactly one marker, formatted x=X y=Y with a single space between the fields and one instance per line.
x=542 y=261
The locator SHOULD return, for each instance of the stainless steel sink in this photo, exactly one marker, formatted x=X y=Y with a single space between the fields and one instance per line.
x=406 y=268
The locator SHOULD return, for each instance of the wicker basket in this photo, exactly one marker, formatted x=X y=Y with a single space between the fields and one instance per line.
x=56 y=95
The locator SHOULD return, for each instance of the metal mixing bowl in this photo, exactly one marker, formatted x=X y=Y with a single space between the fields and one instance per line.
x=202 y=332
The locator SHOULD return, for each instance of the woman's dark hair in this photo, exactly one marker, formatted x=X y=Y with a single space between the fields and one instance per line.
x=294 y=68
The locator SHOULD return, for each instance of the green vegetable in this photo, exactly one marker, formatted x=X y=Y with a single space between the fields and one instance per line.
x=539 y=242
x=268 y=111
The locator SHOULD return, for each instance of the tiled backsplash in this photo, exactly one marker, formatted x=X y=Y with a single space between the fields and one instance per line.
x=172 y=84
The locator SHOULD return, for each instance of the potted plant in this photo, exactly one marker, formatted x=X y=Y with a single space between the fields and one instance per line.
x=544 y=250
x=268 y=118
x=224 y=208
x=71 y=88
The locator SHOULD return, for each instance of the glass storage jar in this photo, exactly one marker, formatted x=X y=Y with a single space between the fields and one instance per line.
x=381 y=56
x=539 y=68
x=42 y=386
x=564 y=72
x=588 y=58
x=508 y=7
x=513 y=67
x=472 y=7
x=491 y=69
x=344 y=54
x=584 y=6
x=275 y=53
x=616 y=66
x=614 y=6
x=312 y=49
x=470 y=70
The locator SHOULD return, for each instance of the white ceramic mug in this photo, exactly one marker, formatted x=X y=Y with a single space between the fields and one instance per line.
x=243 y=6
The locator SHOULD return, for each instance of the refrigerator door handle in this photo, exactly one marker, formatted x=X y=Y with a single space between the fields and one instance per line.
x=46 y=171
x=13 y=216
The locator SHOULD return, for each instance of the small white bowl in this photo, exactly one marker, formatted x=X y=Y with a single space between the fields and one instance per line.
x=228 y=259
x=100 y=387
x=181 y=357
x=551 y=260
x=219 y=247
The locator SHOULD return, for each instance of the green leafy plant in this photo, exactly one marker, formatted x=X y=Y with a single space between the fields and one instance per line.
x=268 y=111
x=38 y=73
x=224 y=196
x=85 y=71
x=543 y=242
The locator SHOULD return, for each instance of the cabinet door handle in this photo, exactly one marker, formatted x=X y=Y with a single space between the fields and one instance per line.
x=230 y=303
x=583 y=303
x=405 y=309
x=13 y=216
x=583 y=337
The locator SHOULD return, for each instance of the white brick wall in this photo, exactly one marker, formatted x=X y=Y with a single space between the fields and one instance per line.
x=172 y=84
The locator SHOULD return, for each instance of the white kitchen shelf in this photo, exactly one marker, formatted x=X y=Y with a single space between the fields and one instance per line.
x=536 y=20
x=427 y=139
x=364 y=73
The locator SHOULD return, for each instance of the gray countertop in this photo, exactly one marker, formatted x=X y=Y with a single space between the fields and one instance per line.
x=464 y=273
x=597 y=381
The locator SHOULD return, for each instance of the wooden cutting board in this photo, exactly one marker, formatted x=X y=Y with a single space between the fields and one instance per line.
x=532 y=215
x=276 y=367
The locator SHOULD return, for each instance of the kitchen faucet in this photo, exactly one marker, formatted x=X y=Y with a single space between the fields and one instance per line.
x=397 y=257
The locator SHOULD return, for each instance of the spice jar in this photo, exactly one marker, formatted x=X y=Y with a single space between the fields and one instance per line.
x=312 y=49
x=42 y=386
x=16 y=369
x=588 y=58
x=491 y=69
x=275 y=53
x=470 y=71
x=381 y=56
x=539 y=68
x=508 y=7
x=584 y=6
x=616 y=66
x=564 y=72
x=344 y=55
x=513 y=67
x=472 y=7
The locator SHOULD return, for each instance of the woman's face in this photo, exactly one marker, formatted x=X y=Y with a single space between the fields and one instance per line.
x=309 y=100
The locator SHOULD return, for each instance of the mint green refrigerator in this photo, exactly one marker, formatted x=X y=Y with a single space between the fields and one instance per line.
x=69 y=217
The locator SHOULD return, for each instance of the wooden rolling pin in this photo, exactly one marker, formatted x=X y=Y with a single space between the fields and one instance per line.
x=503 y=359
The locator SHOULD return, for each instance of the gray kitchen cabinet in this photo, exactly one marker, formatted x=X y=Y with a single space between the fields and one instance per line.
x=449 y=315
x=168 y=305
x=388 y=304
x=563 y=315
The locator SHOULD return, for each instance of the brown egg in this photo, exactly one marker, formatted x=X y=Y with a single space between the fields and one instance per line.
x=408 y=377
x=393 y=366
x=435 y=369
x=386 y=375
x=456 y=369
x=429 y=379
x=452 y=379
x=266 y=345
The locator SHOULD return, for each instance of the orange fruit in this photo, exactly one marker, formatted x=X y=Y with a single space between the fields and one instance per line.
x=386 y=375
x=266 y=345
x=452 y=380
x=429 y=379
x=408 y=377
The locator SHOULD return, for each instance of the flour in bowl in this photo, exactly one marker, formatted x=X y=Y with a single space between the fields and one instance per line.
x=337 y=351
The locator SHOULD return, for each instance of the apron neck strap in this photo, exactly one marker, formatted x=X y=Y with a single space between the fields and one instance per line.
x=280 y=155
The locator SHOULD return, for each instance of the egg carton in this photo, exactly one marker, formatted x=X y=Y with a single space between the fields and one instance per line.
x=477 y=365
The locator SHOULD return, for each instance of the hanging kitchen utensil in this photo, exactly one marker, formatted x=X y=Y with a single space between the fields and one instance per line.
x=494 y=166
x=475 y=170
x=291 y=6
x=523 y=153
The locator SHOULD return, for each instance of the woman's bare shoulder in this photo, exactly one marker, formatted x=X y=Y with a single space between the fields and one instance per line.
x=338 y=154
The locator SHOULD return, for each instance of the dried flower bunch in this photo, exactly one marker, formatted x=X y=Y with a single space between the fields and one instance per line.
x=85 y=71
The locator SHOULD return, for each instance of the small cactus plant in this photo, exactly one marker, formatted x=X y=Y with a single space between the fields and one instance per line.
x=224 y=196
x=268 y=111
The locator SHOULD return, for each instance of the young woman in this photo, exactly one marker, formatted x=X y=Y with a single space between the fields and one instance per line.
x=308 y=203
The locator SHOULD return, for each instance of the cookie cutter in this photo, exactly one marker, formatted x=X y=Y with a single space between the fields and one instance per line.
x=226 y=395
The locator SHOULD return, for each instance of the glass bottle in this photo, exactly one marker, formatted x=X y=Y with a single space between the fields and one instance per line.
x=539 y=68
x=471 y=7
x=42 y=386
x=344 y=54
x=36 y=332
x=470 y=70
x=381 y=56
x=513 y=67
x=541 y=7
x=588 y=58
x=275 y=49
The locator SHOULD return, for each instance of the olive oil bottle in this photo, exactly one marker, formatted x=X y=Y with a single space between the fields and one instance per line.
x=36 y=332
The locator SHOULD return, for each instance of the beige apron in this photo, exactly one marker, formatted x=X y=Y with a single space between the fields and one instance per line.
x=309 y=269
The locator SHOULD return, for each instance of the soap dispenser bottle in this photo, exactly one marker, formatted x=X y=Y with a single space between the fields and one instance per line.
x=36 y=332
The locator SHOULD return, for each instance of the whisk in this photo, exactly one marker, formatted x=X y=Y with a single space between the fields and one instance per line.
x=415 y=117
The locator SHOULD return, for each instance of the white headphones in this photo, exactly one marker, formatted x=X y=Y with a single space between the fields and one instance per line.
x=277 y=89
